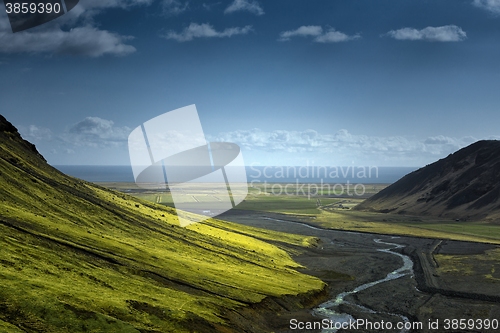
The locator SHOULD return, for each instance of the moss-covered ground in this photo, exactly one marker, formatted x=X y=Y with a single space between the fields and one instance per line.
x=77 y=257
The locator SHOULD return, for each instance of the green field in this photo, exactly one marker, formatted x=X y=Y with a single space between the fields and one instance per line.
x=335 y=212
x=478 y=231
x=471 y=272
x=303 y=199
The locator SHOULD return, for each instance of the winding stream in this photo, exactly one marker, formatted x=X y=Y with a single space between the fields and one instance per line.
x=328 y=308
x=310 y=226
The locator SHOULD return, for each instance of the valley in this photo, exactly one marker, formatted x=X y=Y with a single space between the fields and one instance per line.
x=109 y=257
x=454 y=274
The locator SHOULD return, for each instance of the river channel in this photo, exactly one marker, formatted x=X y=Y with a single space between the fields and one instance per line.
x=370 y=277
x=329 y=308
x=360 y=252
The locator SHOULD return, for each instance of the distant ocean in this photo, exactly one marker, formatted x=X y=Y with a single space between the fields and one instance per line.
x=285 y=174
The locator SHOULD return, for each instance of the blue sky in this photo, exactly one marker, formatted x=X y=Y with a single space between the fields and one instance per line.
x=366 y=82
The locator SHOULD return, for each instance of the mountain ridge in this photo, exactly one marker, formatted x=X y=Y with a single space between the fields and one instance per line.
x=465 y=185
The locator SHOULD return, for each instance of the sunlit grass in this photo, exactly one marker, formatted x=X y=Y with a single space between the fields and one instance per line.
x=76 y=257
x=409 y=225
x=484 y=267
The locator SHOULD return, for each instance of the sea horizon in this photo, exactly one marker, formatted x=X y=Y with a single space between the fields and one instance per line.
x=259 y=174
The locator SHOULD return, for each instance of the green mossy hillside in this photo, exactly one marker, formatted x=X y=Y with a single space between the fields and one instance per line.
x=76 y=257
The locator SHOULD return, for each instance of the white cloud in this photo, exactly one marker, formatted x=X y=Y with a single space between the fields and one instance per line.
x=439 y=140
x=443 y=145
x=35 y=133
x=86 y=41
x=174 y=7
x=490 y=5
x=205 y=30
x=74 y=33
x=210 y=5
x=96 y=132
x=303 y=31
x=279 y=147
x=333 y=36
x=320 y=36
x=92 y=140
x=293 y=141
x=251 y=6
x=345 y=145
x=447 y=33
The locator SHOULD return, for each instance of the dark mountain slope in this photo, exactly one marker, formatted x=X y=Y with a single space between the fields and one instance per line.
x=76 y=257
x=464 y=185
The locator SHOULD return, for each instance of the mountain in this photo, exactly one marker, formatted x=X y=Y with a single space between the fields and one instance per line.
x=465 y=185
x=76 y=257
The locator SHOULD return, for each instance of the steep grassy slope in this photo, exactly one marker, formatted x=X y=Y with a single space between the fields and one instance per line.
x=464 y=185
x=76 y=257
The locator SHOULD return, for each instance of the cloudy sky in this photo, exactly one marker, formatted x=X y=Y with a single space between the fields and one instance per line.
x=366 y=82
